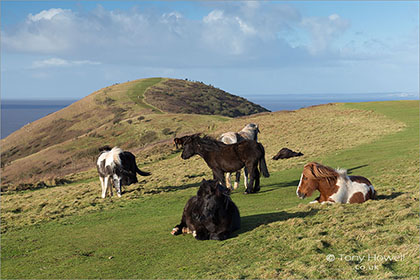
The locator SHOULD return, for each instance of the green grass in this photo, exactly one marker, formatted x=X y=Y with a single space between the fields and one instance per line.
x=136 y=93
x=281 y=236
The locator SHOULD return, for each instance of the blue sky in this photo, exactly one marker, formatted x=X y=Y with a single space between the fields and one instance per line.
x=67 y=50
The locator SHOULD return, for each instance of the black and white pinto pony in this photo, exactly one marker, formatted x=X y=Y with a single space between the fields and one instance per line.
x=210 y=214
x=249 y=132
x=117 y=167
x=222 y=158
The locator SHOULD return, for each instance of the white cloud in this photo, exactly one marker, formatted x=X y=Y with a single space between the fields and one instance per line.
x=213 y=16
x=323 y=31
x=241 y=46
x=47 y=14
x=50 y=31
x=410 y=95
x=245 y=28
x=334 y=17
x=233 y=34
x=59 y=62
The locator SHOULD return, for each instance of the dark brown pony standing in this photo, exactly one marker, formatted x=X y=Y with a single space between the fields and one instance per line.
x=334 y=185
x=222 y=158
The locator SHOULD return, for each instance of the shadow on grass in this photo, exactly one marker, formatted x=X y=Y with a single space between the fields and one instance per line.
x=172 y=188
x=249 y=223
x=272 y=187
x=350 y=170
x=388 y=197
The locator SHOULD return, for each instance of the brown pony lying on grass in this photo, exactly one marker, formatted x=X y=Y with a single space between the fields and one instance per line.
x=334 y=185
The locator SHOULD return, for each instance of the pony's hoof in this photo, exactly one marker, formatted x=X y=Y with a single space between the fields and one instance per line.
x=186 y=230
x=175 y=231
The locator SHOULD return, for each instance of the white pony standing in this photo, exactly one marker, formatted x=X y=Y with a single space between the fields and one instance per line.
x=249 y=132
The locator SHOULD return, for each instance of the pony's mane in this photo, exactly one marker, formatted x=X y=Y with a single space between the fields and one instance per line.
x=211 y=144
x=342 y=172
x=318 y=171
x=117 y=150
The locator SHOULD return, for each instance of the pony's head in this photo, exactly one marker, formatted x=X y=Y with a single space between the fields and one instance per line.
x=211 y=188
x=189 y=144
x=250 y=131
x=105 y=148
x=252 y=126
x=181 y=140
x=313 y=175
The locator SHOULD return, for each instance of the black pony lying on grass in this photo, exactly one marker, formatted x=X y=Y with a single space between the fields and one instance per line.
x=211 y=214
x=222 y=158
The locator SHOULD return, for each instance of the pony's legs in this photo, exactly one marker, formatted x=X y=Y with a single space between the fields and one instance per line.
x=110 y=185
x=178 y=229
x=102 y=185
x=257 y=181
x=246 y=177
x=219 y=175
x=237 y=179
x=251 y=179
x=105 y=186
x=228 y=183
x=117 y=185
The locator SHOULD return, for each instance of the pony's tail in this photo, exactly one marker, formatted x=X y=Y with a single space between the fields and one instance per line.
x=374 y=195
x=263 y=165
x=142 y=173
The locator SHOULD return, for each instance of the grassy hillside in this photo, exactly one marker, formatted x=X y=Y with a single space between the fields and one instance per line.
x=185 y=97
x=308 y=130
x=44 y=152
x=69 y=232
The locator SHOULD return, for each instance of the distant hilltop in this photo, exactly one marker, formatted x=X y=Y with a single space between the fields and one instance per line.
x=187 y=97
x=131 y=115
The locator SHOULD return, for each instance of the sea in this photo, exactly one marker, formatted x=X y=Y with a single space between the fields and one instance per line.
x=17 y=113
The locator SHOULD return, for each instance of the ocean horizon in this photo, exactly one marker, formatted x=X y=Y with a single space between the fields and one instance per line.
x=17 y=113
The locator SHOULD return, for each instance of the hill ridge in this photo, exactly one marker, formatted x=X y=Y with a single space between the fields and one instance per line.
x=119 y=114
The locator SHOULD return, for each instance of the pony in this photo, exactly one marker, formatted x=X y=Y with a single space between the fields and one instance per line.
x=211 y=214
x=334 y=185
x=250 y=132
x=286 y=153
x=118 y=165
x=223 y=158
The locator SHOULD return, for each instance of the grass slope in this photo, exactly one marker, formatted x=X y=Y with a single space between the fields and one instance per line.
x=137 y=92
x=316 y=131
x=44 y=152
x=281 y=236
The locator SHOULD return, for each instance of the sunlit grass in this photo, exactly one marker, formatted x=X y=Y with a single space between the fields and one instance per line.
x=69 y=232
